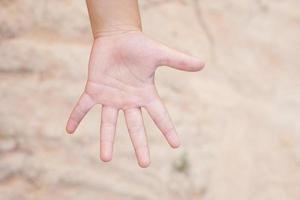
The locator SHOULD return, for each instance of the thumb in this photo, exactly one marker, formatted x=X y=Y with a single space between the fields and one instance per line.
x=178 y=60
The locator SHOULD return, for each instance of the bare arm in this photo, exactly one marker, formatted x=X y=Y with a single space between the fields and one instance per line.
x=108 y=17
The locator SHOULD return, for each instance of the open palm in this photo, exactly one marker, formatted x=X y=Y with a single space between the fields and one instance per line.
x=121 y=76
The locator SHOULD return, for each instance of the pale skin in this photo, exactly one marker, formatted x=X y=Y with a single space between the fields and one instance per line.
x=121 y=73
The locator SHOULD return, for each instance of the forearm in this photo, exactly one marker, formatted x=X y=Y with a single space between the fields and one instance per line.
x=113 y=16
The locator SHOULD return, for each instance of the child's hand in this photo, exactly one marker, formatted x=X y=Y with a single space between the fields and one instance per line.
x=121 y=76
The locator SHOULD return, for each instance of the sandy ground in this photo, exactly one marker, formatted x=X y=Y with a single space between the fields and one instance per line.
x=238 y=119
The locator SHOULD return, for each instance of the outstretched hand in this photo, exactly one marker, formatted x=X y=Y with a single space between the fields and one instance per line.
x=121 y=77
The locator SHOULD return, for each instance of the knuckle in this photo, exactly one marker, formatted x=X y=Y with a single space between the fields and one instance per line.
x=136 y=129
x=106 y=124
x=80 y=109
x=168 y=130
x=161 y=118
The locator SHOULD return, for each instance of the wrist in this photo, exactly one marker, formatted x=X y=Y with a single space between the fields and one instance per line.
x=116 y=30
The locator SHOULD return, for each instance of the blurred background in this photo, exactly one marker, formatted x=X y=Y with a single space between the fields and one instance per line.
x=238 y=119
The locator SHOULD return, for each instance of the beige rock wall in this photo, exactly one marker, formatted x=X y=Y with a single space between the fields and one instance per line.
x=238 y=119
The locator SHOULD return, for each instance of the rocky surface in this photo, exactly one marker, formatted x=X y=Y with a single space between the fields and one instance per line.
x=238 y=119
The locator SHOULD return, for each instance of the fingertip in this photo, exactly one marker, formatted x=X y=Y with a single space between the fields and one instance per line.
x=143 y=157
x=105 y=157
x=196 y=65
x=144 y=163
x=71 y=127
x=69 y=131
x=105 y=153
x=174 y=140
x=175 y=144
x=201 y=65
